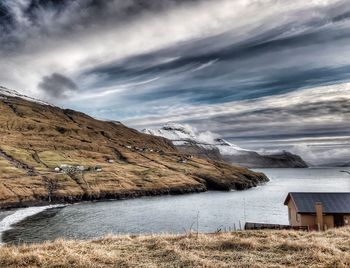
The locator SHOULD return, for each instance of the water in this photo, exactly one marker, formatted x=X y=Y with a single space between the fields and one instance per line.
x=178 y=214
x=10 y=218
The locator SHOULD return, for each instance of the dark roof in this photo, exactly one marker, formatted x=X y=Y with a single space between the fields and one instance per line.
x=332 y=202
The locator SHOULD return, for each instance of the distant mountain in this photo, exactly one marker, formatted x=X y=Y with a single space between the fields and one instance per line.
x=335 y=164
x=283 y=159
x=49 y=154
x=212 y=147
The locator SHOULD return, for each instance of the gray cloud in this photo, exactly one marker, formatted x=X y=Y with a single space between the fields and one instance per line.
x=315 y=120
x=57 y=86
x=40 y=19
x=212 y=63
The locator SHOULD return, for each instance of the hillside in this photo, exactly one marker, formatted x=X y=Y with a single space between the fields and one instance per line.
x=208 y=145
x=48 y=154
x=256 y=249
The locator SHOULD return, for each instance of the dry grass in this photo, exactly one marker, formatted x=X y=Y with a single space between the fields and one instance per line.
x=240 y=249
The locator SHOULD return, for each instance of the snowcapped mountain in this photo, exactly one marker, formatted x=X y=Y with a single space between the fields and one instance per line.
x=210 y=145
x=182 y=135
x=178 y=134
x=5 y=92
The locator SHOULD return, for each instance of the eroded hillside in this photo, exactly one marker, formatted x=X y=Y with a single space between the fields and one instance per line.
x=95 y=159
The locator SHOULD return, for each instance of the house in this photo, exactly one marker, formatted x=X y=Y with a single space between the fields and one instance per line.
x=318 y=211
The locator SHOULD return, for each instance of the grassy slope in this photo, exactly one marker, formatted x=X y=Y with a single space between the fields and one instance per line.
x=241 y=249
x=34 y=139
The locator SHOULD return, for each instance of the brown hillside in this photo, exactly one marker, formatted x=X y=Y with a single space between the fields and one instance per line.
x=117 y=161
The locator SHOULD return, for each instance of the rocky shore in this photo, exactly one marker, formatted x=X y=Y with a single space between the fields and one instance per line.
x=207 y=183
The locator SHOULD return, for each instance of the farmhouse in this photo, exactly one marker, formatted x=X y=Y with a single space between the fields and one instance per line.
x=318 y=211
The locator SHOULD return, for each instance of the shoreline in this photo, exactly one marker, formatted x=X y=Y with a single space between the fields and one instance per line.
x=238 y=196
x=35 y=208
x=105 y=197
x=131 y=194
x=38 y=207
x=19 y=215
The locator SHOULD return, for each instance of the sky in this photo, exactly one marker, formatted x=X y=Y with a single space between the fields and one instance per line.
x=264 y=74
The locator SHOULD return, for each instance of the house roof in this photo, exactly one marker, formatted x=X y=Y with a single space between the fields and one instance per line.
x=332 y=202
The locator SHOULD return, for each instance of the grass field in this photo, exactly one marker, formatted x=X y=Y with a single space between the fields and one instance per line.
x=240 y=249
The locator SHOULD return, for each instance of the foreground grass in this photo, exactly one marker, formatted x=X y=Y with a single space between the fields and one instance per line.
x=241 y=249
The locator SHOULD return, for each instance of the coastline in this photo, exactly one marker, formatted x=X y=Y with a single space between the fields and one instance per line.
x=107 y=196
x=255 y=204
x=24 y=210
x=209 y=185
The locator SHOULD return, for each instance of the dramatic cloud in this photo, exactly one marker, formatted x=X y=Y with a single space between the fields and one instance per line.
x=57 y=86
x=314 y=119
x=251 y=70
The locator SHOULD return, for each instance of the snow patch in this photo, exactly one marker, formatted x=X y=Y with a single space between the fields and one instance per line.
x=13 y=93
x=174 y=132
x=182 y=134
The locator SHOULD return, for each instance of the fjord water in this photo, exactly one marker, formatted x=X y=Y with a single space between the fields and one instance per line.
x=177 y=214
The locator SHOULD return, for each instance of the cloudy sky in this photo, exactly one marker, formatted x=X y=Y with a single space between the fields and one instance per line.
x=264 y=74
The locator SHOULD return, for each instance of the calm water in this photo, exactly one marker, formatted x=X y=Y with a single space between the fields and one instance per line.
x=175 y=214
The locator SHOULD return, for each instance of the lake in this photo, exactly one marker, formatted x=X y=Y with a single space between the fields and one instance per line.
x=211 y=211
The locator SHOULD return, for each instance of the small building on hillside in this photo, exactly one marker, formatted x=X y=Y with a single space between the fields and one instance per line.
x=318 y=211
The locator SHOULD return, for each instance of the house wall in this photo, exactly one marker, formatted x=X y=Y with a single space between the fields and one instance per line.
x=328 y=221
x=292 y=214
x=310 y=220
